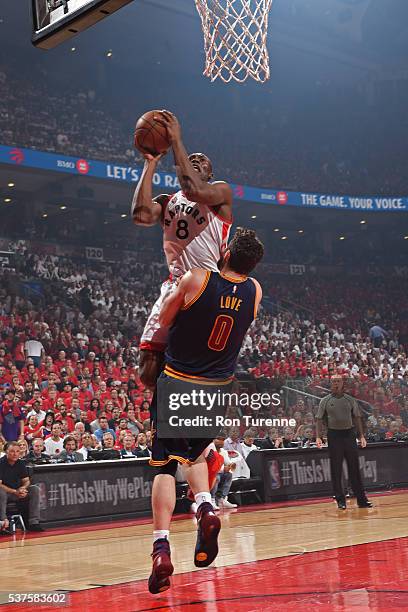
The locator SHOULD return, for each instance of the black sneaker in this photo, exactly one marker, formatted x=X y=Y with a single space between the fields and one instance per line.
x=162 y=569
x=341 y=504
x=36 y=527
x=365 y=504
x=208 y=528
x=5 y=532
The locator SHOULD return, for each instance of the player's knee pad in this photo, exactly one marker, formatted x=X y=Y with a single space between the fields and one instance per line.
x=169 y=468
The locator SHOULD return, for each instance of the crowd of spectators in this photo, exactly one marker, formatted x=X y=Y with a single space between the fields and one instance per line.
x=321 y=155
x=68 y=360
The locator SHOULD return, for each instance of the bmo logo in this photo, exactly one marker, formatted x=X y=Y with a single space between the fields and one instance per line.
x=82 y=166
x=282 y=197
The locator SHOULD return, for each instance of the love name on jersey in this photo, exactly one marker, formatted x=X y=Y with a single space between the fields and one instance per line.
x=186 y=209
x=231 y=302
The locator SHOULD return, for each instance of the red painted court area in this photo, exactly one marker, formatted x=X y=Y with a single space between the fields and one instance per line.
x=354 y=578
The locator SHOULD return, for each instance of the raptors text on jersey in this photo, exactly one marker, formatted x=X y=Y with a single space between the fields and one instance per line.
x=194 y=236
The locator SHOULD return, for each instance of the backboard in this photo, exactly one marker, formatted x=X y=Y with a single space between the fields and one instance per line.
x=55 y=21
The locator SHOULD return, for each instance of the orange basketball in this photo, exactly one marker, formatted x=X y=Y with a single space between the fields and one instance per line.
x=150 y=135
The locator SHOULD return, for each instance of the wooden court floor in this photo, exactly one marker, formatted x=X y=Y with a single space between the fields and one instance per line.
x=282 y=556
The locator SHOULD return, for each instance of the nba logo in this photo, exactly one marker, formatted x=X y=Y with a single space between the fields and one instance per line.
x=274 y=474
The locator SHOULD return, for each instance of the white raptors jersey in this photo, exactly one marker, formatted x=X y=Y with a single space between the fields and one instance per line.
x=193 y=235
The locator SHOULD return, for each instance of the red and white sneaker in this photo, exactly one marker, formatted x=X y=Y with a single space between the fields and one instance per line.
x=159 y=579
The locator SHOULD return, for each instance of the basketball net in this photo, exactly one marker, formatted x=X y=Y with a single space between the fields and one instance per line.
x=235 y=39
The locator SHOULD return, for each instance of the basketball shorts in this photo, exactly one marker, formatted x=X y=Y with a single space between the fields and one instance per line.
x=164 y=450
x=154 y=336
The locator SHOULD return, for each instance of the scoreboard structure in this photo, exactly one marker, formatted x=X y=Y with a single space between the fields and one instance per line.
x=55 y=21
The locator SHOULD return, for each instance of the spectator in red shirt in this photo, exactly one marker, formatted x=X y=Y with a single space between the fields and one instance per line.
x=66 y=393
x=14 y=373
x=85 y=395
x=67 y=416
x=146 y=396
x=34 y=429
x=60 y=363
x=50 y=400
x=144 y=412
x=93 y=408
x=105 y=393
x=90 y=362
x=5 y=378
x=18 y=351
x=11 y=418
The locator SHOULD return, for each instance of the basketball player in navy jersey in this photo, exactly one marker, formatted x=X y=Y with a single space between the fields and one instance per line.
x=196 y=223
x=208 y=314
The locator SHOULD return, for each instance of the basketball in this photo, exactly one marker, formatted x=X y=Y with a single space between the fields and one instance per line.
x=150 y=135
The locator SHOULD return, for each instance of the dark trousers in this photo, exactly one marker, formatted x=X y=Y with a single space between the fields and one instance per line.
x=29 y=507
x=342 y=445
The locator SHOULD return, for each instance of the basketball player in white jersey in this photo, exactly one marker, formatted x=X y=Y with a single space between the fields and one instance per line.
x=196 y=223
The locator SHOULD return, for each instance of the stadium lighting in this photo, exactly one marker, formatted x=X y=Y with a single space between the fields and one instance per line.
x=253 y=217
x=363 y=222
x=405 y=237
x=44 y=216
x=10 y=184
x=123 y=215
x=301 y=231
x=284 y=238
x=342 y=238
x=7 y=200
x=62 y=207
x=276 y=229
x=109 y=53
x=73 y=49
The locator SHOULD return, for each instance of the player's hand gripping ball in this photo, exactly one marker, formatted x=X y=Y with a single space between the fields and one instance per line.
x=151 y=135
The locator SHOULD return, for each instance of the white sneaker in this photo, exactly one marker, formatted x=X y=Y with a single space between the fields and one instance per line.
x=224 y=503
x=214 y=504
x=193 y=508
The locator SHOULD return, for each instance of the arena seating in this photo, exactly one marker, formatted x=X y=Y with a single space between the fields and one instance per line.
x=77 y=122
x=88 y=319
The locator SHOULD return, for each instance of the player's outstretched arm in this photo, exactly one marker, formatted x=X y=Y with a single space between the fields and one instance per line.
x=145 y=209
x=189 y=286
x=258 y=296
x=194 y=187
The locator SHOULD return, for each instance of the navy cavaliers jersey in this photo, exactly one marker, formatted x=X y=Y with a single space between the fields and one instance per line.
x=207 y=334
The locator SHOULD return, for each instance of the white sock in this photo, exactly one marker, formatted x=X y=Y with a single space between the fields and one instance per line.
x=200 y=498
x=160 y=533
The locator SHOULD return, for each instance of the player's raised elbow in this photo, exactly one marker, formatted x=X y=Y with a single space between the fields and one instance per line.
x=202 y=196
x=211 y=194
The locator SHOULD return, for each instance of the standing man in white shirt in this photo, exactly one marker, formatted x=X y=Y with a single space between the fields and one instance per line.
x=34 y=349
